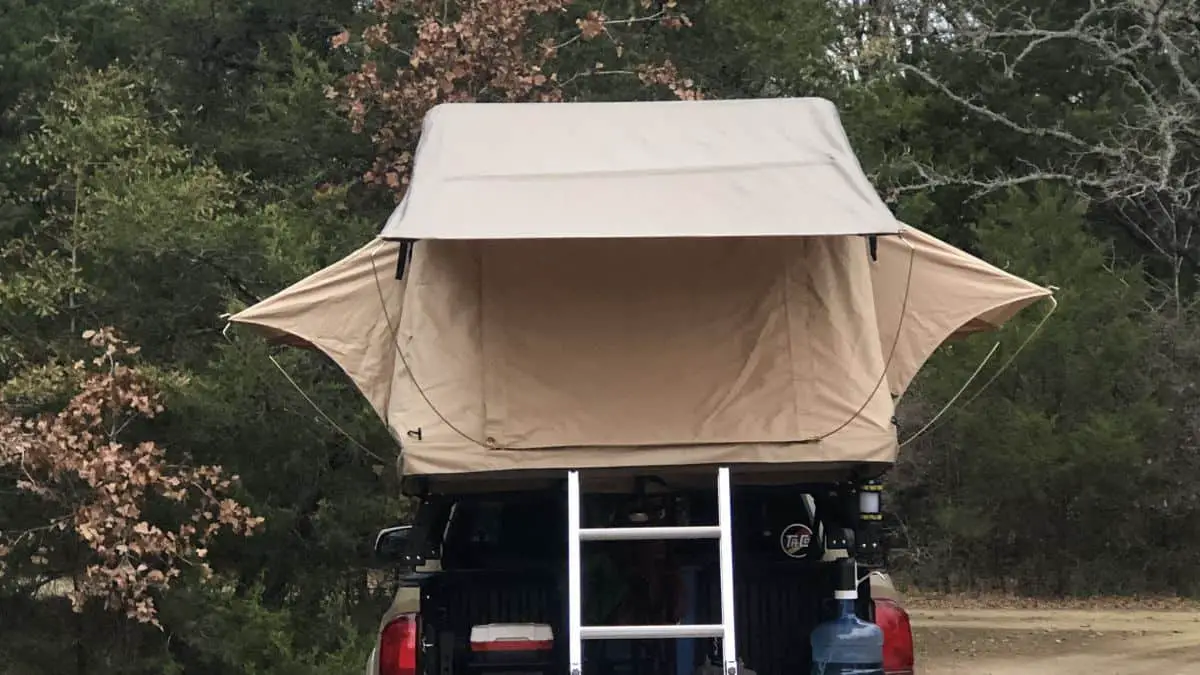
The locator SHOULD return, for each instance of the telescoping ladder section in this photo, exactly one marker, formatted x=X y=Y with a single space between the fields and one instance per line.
x=722 y=532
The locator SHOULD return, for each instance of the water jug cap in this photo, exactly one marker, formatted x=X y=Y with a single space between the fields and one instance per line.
x=847 y=575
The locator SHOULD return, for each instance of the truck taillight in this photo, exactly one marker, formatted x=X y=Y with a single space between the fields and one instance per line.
x=897 y=637
x=398 y=646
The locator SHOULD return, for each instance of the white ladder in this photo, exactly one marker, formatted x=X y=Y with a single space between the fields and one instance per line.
x=722 y=532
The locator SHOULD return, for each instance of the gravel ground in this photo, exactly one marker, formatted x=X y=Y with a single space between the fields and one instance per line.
x=1038 y=641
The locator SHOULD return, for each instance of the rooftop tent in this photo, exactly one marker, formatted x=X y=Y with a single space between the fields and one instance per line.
x=566 y=303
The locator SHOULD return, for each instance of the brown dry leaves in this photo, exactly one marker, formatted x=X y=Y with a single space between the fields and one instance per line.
x=100 y=486
x=470 y=50
x=592 y=25
x=667 y=75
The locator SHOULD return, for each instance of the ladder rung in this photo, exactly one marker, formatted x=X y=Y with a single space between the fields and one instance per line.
x=668 y=632
x=649 y=533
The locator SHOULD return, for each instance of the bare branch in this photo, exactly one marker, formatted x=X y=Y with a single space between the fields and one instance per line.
x=1139 y=156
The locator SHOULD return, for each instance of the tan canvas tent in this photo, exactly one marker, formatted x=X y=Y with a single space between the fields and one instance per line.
x=564 y=341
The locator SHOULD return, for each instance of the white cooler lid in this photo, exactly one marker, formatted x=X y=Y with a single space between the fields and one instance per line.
x=511 y=632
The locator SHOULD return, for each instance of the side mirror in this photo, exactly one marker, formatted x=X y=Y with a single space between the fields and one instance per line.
x=391 y=545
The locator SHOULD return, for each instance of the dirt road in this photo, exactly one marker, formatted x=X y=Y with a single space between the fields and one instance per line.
x=1056 y=642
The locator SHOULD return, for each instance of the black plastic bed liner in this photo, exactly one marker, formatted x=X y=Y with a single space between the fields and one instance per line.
x=777 y=606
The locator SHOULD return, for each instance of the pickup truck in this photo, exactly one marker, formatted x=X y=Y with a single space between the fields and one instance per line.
x=500 y=559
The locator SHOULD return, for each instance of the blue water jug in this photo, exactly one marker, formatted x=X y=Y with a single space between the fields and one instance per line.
x=847 y=645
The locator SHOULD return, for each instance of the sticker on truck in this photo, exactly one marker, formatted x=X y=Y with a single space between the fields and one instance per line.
x=795 y=540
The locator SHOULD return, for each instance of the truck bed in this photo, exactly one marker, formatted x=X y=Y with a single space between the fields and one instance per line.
x=777 y=607
x=504 y=561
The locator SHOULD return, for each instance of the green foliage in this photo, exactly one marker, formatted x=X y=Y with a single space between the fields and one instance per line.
x=124 y=208
x=1062 y=434
x=221 y=631
x=741 y=48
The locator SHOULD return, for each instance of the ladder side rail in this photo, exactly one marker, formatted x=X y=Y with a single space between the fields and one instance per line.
x=574 y=572
x=725 y=522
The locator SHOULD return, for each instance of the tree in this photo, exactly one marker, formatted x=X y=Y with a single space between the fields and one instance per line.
x=1103 y=97
x=122 y=224
x=94 y=484
x=1040 y=479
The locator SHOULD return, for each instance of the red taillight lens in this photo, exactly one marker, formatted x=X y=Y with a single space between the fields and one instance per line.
x=398 y=646
x=897 y=637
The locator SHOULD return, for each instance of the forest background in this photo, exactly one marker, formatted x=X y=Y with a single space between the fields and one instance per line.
x=170 y=504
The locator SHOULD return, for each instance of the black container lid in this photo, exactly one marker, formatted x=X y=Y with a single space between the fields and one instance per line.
x=847 y=577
